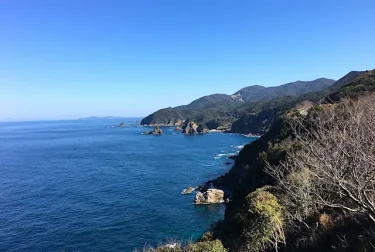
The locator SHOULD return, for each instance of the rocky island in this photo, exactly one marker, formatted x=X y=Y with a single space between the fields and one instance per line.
x=157 y=131
x=211 y=196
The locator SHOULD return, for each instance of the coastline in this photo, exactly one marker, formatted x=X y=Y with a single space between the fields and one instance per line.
x=209 y=131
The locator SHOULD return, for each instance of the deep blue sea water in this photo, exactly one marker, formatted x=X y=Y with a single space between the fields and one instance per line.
x=87 y=185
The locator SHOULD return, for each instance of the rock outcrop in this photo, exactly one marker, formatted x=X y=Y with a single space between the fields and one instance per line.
x=190 y=128
x=211 y=196
x=179 y=122
x=202 y=129
x=193 y=128
x=157 y=131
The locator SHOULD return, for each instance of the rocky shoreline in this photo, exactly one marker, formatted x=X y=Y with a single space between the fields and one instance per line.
x=194 y=128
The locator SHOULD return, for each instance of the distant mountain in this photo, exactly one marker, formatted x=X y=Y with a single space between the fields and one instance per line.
x=257 y=118
x=260 y=93
x=353 y=84
x=346 y=79
x=220 y=110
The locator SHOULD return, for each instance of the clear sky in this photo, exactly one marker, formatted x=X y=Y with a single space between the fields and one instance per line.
x=77 y=58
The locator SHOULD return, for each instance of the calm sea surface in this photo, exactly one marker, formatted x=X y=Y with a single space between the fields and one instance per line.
x=87 y=185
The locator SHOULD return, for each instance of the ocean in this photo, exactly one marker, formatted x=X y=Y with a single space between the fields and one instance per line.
x=89 y=185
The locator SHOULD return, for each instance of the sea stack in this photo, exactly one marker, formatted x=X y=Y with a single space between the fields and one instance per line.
x=211 y=196
x=157 y=131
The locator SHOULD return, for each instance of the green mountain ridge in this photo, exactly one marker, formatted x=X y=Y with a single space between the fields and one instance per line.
x=220 y=110
x=260 y=93
x=211 y=101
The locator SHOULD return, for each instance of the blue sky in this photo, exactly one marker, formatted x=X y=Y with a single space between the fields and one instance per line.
x=76 y=58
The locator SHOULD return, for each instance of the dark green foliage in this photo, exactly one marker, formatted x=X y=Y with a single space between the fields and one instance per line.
x=202 y=128
x=166 y=116
x=345 y=80
x=207 y=236
x=207 y=246
x=247 y=174
x=214 y=101
x=257 y=118
x=362 y=85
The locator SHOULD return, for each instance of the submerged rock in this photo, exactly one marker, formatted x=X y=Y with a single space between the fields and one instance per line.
x=188 y=190
x=211 y=196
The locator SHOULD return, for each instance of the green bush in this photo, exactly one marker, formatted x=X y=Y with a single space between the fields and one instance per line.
x=166 y=249
x=201 y=246
x=262 y=221
x=207 y=236
x=209 y=246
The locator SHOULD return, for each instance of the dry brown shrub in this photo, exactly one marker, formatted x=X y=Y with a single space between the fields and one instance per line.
x=325 y=221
